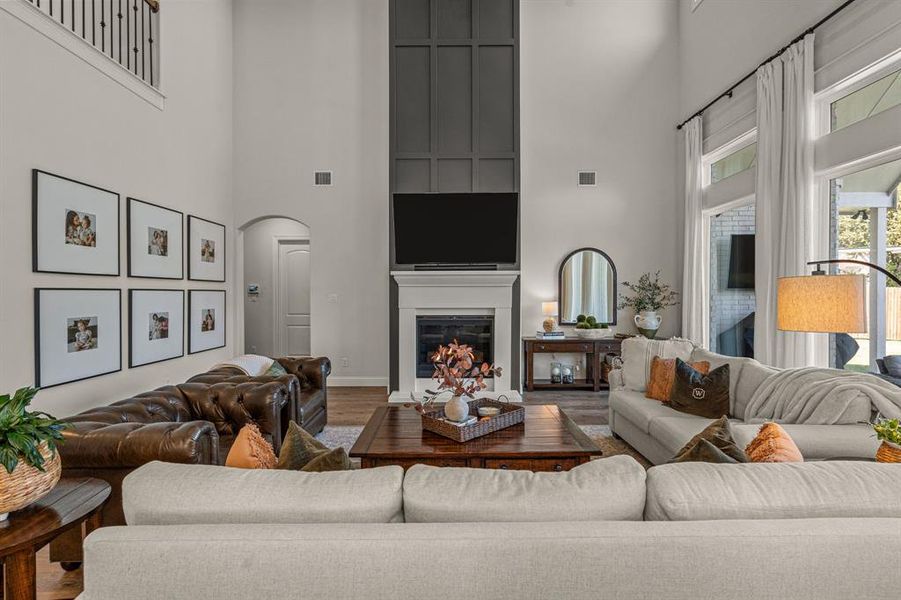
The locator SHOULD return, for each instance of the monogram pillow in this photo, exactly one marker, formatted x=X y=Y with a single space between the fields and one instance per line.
x=698 y=394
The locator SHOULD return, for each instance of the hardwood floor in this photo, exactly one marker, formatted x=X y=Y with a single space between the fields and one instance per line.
x=354 y=405
x=346 y=406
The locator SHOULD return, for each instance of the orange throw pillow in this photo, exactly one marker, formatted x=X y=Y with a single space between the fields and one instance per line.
x=251 y=450
x=663 y=373
x=773 y=445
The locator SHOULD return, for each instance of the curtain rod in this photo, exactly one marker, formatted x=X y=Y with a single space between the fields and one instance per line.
x=798 y=38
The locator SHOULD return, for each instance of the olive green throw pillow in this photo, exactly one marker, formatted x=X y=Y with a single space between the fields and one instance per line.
x=332 y=460
x=719 y=445
x=275 y=370
x=715 y=444
x=701 y=395
x=298 y=448
x=704 y=451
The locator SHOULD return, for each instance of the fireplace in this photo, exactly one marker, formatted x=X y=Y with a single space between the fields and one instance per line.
x=435 y=330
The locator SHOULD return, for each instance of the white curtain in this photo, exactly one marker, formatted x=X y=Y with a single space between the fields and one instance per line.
x=695 y=278
x=784 y=196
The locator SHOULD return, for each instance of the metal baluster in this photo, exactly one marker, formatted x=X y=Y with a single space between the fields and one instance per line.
x=119 y=15
x=102 y=27
x=84 y=9
x=150 y=39
x=143 y=51
x=135 y=38
x=73 y=16
x=62 y=12
x=51 y=8
x=127 y=37
x=112 y=23
x=93 y=23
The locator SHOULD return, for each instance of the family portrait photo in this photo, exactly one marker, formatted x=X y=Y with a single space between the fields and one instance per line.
x=207 y=251
x=208 y=322
x=81 y=333
x=157 y=242
x=159 y=326
x=81 y=228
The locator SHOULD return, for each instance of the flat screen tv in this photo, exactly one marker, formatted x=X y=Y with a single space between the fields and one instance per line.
x=741 y=262
x=455 y=229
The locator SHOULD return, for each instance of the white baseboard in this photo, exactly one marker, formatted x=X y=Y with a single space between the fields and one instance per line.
x=334 y=381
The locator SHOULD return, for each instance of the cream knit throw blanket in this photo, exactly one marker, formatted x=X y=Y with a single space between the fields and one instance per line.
x=251 y=364
x=817 y=396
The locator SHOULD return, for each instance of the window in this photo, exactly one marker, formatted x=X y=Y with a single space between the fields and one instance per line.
x=866 y=102
x=867 y=226
x=732 y=164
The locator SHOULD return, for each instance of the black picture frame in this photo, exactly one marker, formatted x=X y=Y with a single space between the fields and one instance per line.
x=189 y=323
x=191 y=275
x=131 y=315
x=37 y=334
x=560 y=283
x=128 y=222
x=35 y=201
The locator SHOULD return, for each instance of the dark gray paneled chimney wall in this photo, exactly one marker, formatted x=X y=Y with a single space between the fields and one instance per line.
x=454 y=110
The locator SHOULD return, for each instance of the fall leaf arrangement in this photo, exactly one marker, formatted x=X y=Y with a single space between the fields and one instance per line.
x=456 y=372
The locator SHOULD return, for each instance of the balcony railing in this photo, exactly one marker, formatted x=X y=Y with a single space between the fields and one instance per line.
x=124 y=30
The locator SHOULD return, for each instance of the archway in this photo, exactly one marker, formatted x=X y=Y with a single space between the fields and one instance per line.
x=273 y=264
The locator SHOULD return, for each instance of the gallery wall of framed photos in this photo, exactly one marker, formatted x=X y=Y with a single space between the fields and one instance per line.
x=81 y=332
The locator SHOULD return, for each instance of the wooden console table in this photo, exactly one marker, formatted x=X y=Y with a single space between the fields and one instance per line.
x=594 y=350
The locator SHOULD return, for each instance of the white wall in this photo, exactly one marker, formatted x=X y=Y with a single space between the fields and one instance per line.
x=59 y=114
x=258 y=311
x=723 y=40
x=599 y=90
x=311 y=93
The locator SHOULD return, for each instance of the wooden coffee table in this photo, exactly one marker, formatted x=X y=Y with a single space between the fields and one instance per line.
x=547 y=440
x=72 y=503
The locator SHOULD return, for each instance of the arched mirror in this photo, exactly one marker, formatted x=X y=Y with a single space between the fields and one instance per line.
x=587 y=287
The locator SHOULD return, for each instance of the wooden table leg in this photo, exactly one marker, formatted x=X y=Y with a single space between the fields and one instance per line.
x=530 y=370
x=91 y=523
x=20 y=576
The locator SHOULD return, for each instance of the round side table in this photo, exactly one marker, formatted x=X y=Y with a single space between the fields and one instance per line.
x=72 y=502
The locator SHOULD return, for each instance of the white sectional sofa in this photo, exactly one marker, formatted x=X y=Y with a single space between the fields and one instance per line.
x=607 y=529
x=658 y=432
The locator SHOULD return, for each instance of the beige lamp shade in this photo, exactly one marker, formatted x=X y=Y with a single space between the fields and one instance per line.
x=549 y=308
x=822 y=303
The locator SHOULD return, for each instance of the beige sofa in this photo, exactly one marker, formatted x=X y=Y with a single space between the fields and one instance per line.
x=606 y=529
x=658 y=432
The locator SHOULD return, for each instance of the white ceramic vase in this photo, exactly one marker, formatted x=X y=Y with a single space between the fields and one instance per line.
x=648 y=322
x=457 y=409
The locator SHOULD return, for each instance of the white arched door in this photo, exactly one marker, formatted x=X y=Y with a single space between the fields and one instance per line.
x=292 y=295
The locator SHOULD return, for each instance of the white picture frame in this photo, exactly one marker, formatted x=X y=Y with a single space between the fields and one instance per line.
x=155 y=241
x=77 y=334
x=206 y=320
x=75 y=226
x=156 y=326
x=206 y=250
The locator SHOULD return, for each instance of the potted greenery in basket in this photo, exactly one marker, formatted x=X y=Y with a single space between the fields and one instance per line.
x=649 y=297
x=31 y=464
x=888 y=431
x=456 y=373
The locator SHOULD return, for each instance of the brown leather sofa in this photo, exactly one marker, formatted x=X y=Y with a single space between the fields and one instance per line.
x=191 y=423
x=306 y=379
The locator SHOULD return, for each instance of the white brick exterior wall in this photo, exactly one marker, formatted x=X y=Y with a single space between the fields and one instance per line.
x=727 y=306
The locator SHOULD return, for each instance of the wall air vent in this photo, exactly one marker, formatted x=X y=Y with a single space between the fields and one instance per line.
x=588 y=178
x=322 y=178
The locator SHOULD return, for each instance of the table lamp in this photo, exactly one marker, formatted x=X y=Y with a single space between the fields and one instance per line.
x=550 y=311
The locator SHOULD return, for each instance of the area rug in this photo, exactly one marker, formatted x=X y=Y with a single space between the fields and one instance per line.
x=344 y=436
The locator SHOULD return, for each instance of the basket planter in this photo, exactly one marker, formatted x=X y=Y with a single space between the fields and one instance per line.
x=889 y=453
x=26 y=484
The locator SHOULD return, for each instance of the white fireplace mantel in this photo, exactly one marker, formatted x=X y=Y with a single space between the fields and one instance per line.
x=453 y=293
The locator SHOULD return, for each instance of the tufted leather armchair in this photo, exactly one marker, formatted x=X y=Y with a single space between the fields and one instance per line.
x=306 y=380
x=192 y=423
